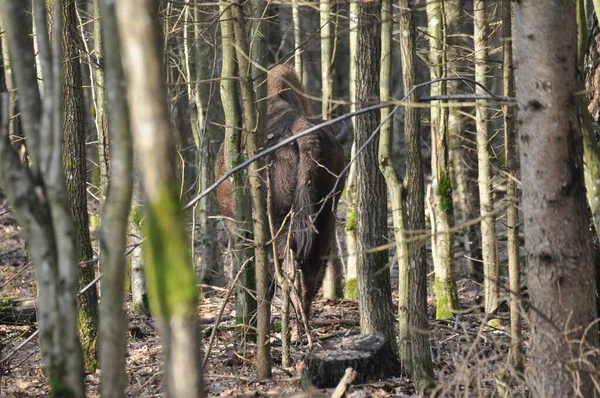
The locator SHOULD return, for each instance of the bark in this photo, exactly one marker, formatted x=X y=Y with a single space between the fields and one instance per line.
x=415 y=352
x=442 y=207
x=298 y=33
x=512 y=213
x=232 y=146
x=333 y=274
x=169 y=271
x=375 y=295
x=115 y=214
x=560 y=273
x=101 y=119
x=350 y=289
x=486 y=203
x=254 y=126
x=75 y=167
x=392 y=181
x=211 y=264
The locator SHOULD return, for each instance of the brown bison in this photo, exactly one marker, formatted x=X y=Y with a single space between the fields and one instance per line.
x=302 y=177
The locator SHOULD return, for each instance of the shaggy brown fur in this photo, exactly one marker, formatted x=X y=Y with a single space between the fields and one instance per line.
x=302 y=175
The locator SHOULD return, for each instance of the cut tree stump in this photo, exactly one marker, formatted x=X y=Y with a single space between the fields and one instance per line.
x=17 y=311
x=370 y=356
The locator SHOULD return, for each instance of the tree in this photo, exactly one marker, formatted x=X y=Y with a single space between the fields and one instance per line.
x=374 y=286
x=115 y=213
x=75 y=166
x=254 y=127
x=486 y=203
x=169 y=271
x=510 y=167
x=442 y=209
x=560 y=273
x=415 y=350
x=38 y=193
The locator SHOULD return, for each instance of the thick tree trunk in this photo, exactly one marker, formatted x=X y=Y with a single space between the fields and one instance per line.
x=75 y=167
x=374 y=286
x=560 y=275
x=415 y=352
x=169 y=271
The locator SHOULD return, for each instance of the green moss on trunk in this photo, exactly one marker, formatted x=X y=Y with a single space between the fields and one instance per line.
x=351 y=289
x=446 y=297
x=170 y=276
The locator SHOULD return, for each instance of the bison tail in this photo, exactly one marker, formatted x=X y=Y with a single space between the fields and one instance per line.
x=305 y=208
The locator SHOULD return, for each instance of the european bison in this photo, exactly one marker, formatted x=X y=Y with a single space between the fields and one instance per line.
x=302 y=178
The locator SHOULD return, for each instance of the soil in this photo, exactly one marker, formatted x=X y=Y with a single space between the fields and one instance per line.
x=470 y=357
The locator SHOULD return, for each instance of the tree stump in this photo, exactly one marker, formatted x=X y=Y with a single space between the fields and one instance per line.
x=15 y=311
x=370 y=356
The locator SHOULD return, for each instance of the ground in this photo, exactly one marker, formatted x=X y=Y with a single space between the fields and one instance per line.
x=470 y=358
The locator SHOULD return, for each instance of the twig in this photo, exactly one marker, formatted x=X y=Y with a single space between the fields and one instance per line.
x=218 y=320
x=342 y=387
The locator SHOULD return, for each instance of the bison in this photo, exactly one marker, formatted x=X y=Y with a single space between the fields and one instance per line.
x=302 y=183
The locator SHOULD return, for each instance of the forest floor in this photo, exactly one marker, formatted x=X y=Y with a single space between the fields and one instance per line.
x=470 y=357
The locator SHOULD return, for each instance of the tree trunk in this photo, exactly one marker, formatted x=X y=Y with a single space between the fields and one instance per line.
x=374 y=286
x=560 y=275
x=333 y=275
x=512 y=213
x=211 y=264
x=75 y=167
x=245 y=303
x=169 y=271
x=115 y=215
x=486 y=202
x=351 y=285
x=254 y=126
x=415 y=352
x=442 y=207
x=393 y=183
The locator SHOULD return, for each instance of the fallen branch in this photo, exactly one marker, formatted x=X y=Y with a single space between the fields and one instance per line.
x=342 y=387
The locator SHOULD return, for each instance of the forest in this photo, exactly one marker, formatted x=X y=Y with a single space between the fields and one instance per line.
x=299 y=198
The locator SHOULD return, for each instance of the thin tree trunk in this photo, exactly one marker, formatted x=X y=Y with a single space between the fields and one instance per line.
x=415 y=351
x=113 y=232
x=560 y=275
x=351 y=285
x=393 y=183
x=211 y=268
x=254 y=136
x=298 y=33
x=333 y=272
x=486 y=202
x=232 y=146
x=169 y=271
x=512 y=213
x=442 y=207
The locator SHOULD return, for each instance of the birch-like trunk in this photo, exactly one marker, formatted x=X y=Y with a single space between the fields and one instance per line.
x=351 y=285
x=442 y=214
x=486 y=202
